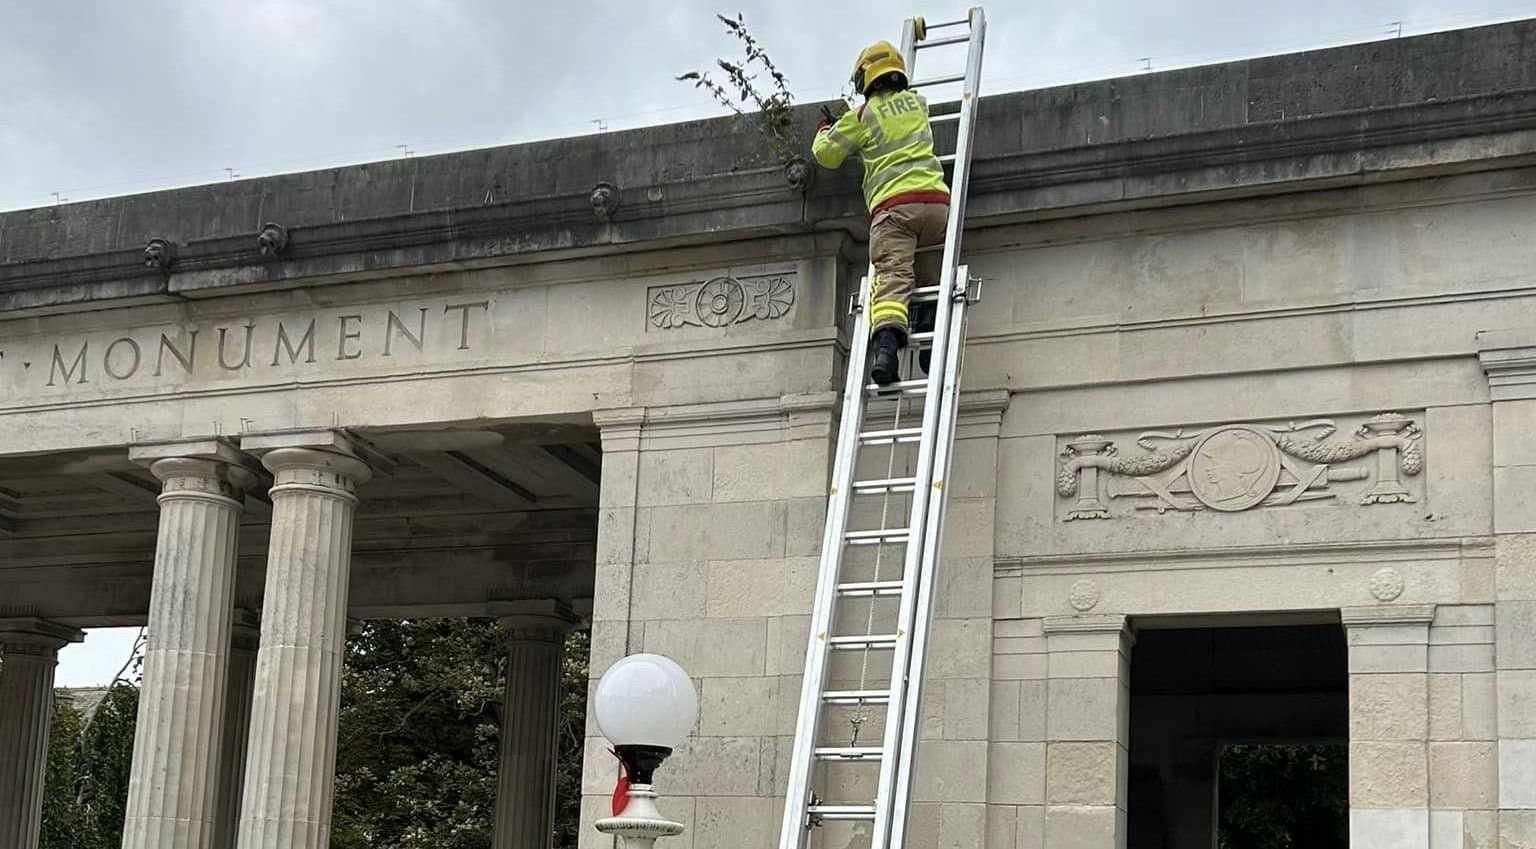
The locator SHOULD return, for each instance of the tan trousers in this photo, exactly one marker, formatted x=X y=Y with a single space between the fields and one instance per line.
x=895 y=234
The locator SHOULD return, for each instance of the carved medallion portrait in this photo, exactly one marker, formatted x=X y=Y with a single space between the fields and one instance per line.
x=1234 y=469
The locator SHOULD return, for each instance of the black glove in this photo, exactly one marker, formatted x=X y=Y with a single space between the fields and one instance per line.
x=826 y=115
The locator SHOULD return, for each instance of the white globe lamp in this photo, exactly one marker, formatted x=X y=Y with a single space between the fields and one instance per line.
x=645 y=706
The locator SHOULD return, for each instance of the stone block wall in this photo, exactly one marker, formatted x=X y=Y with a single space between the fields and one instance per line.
x=710 y=527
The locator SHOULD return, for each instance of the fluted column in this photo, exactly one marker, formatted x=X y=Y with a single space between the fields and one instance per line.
x=29 y=651
x=291 y=756
x=237 y=722
x=181 y=703
x=525 y=791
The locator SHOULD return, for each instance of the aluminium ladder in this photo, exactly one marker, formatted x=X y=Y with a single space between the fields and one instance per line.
x=863 y=619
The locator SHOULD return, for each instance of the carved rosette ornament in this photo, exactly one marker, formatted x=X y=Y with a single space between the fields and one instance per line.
x=1387 y=584
x=721 y=302
x=1083 y=596
x=159 y=254
x=272 y=240
x=1238 y=467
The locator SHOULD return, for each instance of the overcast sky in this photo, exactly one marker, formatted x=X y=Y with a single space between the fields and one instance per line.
x=104 y=97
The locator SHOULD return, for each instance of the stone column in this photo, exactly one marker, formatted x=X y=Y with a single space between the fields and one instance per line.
x=181 y=703
x=237 y=722
x=1389 y=726
x=29 y=651
x=1087 y=756
x=1463 y=737
x=525 y=792
x=291 y=755
x=1509 y=360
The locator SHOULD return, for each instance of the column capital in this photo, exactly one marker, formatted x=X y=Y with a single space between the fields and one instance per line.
x=1387 y=615
x=327 y=441
x=30 y=636
x=619 y=430
x=1092 y=623
x=536 y=620
x=1508 y=358
x=198 y=468
x=316 y=470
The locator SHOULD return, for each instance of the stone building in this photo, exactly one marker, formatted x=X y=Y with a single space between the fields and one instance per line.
x=1247 y=453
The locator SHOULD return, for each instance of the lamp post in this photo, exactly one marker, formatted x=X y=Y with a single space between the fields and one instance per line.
x=645 y=706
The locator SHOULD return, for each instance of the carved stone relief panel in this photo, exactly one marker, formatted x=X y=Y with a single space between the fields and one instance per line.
x=721 y=301
x=1242 y=466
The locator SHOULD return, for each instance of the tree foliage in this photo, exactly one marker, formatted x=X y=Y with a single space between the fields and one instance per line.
x=417 y=742
x=1284 y=797
x=773 y=107
x=421 y=718
x=89 y=757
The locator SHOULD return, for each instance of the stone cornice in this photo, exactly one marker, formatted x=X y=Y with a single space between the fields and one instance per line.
x=1368 y=552
x=1011 y=182
x=1509 y=359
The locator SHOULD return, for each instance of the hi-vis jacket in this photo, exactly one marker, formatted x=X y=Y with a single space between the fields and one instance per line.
x=890 y=133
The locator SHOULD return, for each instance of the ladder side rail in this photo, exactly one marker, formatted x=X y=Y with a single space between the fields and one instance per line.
x=909 y=46
x=808 y=724
x=932 y=537
x=923 y=474
x=912 y=563
x=892 y=820
x=965 y=133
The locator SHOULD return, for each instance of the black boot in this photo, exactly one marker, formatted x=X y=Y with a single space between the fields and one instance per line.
x=887 y=345
x=923 y=316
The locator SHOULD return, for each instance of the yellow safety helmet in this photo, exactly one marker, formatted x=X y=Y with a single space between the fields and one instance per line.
x=876 y=61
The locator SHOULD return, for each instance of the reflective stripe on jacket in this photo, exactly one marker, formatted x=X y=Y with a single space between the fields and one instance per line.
x=890 y=133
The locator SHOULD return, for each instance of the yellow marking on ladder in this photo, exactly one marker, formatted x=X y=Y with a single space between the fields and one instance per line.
x=938 y=484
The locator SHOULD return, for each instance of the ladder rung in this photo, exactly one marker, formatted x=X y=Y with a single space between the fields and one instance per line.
x=949 y=118
x=854 y=642
x=850 y=753
x=920 y=338
x=940 y=42
x=923 y=294
x=876 y=537
x=842 y=812
x=946 y=159
x=856 y=697
x=946 y=25
x=891 y=437
x=867 y=589
x=885 y=485
x=905 y=387
x=947 y=78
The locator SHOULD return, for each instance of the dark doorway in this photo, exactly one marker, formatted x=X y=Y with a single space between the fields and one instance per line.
x=1239 y=738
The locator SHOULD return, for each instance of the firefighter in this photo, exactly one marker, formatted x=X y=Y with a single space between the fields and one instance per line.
x=904 y=189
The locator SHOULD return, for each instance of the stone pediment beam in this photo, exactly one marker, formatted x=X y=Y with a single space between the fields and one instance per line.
x=473 y=477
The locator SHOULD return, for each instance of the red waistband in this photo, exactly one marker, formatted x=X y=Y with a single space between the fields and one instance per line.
x=921 y=196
